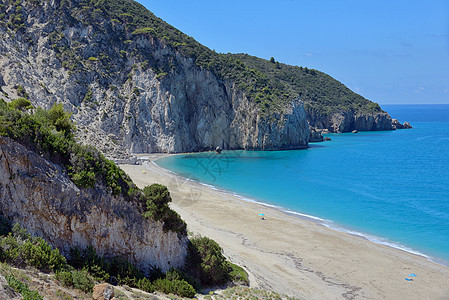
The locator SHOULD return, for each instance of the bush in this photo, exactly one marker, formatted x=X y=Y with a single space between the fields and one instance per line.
x=22 y=288
x=65 y=277
x=20 y=248
x=82 y=281
x=178 y=287
x=176 y=274
x=20 y=104
x=102 y=269
x=206 y=261
x=145 y=284
x=155 y=200
x=238 y=274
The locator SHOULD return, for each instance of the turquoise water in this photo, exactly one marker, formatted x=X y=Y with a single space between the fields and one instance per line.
x=391 y=187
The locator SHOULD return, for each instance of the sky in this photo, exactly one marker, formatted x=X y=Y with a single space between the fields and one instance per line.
x=390 y=52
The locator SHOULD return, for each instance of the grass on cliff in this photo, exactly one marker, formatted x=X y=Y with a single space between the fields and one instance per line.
x=51 y=134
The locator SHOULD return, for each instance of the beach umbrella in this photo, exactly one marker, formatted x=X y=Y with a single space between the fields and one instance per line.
x=261 y=214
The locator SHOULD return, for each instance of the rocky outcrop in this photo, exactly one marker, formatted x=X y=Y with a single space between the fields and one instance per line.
x=315 y=135
x=109 y=79
x=39 y=196
x=347 y=121
x=103 y=291
x=397 y=125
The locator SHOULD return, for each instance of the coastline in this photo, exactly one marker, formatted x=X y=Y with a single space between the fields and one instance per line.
x=293 y=254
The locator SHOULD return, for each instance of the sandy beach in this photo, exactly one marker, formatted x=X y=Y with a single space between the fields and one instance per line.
x=295 y=256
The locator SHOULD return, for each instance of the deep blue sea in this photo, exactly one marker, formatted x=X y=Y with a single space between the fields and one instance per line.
x=391 y=187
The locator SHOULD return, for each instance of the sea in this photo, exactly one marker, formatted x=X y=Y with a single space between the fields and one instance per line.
x=390 y=187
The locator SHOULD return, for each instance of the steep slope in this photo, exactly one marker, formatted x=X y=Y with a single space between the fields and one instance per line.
x=73 y=197
x=328 y=103
x=130 y=88
x=41 y=197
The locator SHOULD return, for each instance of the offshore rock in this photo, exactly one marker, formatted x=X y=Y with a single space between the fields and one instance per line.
x=398 y=125
x=40 y=196
x=407 y=125
x=315 y=135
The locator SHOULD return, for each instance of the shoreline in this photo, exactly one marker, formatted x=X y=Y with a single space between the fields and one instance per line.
x=317 y=220
x=293 y=254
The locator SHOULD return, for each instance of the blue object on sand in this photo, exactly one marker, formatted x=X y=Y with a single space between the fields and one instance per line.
x=408 y=279
x=412 y=275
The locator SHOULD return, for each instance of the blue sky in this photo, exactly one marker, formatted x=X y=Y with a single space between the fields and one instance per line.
x=391 y=52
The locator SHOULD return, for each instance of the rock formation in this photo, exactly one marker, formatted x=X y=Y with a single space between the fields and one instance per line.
x=397 y=125
x=315 y=135
x=347 y=121
x=40 y=196
x=120 y=103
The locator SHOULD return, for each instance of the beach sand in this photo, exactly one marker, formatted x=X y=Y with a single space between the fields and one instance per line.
x=295 y=256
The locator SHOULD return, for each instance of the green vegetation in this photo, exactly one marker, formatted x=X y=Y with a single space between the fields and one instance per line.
x=206 y=262
x=270 y=84
x=51 y=134
x=121 y=272
x=22 y=288
x=320 y=92
x=240 y=292
x=145 y=30
x=79 y=279
x=20 y=104
x=177 y=287
x=155 y=200
x=19 y=248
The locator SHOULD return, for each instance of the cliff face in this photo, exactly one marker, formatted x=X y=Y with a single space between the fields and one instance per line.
x=347 y=121
x=39 y=195
x=111 y=80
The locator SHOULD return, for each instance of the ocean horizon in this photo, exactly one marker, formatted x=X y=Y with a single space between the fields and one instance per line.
x=385 y=186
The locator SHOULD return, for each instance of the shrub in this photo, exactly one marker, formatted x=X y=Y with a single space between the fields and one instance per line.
x=20 y=248
x=145 y=30
x=178 y=287
x=206 y=261
x=102 y=269
x=145 y=284
x=176 y=274
x=60 y=119
x=65 y=277
x=238 y=274
x=82 y=281
x=22 y=288
x=20 y=104
x=157 y=199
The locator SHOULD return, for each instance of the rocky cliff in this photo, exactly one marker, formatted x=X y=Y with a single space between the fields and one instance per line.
x=131 y=91
x=40 y=196
x=347 y=121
